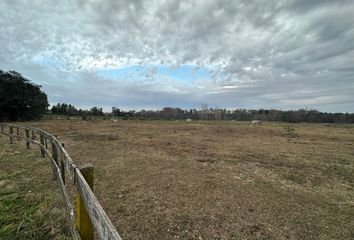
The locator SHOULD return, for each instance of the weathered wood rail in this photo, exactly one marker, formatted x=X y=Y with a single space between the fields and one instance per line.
x=84 y=217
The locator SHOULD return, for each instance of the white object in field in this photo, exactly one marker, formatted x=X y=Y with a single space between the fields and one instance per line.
x=255 y=123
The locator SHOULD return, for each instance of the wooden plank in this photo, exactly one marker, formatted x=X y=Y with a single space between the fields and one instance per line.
x=68 y=162
x=83 y=222
x=70 y=166
x=62 y=164
x=98 y=216
x=27 y=138
x=33 y=141
x=41 y=140
x=68 y=206
x=55 y=157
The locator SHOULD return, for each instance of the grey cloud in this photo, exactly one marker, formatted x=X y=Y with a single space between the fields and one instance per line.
x=258 y=49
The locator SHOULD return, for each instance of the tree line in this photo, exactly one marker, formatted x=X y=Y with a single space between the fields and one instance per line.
x=70 y=110
x=205 y=113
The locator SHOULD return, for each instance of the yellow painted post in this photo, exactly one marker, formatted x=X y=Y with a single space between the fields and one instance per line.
x=83 y=222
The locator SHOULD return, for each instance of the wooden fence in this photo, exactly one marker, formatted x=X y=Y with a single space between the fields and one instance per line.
x=89 y=214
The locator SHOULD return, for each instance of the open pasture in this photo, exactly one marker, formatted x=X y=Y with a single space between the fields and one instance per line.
x=218 y=180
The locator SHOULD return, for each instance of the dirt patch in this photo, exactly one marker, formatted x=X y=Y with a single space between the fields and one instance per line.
x=95 y=137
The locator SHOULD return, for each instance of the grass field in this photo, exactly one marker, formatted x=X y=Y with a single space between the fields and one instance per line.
x=218 y=180
x=31 y=206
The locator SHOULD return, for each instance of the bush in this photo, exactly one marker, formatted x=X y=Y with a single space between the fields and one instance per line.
x=290 y=131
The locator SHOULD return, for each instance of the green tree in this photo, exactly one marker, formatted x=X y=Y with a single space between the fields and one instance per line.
x=20 y=99
x=96 y=111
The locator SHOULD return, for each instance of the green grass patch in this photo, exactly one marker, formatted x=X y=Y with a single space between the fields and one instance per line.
x=31 y=206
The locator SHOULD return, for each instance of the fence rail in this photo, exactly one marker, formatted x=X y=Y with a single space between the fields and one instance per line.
x=88 y=211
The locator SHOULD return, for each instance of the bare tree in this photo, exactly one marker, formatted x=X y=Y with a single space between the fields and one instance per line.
x=204 y=111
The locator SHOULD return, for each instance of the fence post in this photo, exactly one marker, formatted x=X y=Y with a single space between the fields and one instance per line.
x=11 y=131
x=41 y=140
x=17 y=134
x=55 y=158
x=83 y=222
x=33 y=137
x=62 y=166
x=46 y=143
x=27 y=138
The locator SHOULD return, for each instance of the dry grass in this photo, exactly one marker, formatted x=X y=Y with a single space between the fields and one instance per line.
x=218 y=180
x=31 y=206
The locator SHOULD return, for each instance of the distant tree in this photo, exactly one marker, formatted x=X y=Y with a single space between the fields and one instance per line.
x=204 y=111
x=65 y=109
x=115 y=111
x=20 y=99
x=95 y=111
x=54 y=110
x=218 y=113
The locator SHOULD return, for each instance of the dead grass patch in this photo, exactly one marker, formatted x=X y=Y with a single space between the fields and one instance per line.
x=218 y=180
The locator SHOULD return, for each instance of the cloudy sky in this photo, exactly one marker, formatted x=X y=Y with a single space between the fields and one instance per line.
x=148 y=54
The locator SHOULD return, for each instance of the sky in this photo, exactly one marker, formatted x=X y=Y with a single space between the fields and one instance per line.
x=280 y=54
